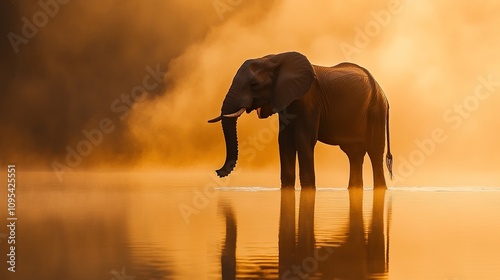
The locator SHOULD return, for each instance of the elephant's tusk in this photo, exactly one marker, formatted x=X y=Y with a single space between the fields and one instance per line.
x=235 y=115
x=215 y=119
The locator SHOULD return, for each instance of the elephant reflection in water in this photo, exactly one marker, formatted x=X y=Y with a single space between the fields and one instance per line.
x=228 y=255
x=355 y=258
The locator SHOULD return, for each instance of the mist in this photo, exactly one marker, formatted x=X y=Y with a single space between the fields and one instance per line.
x=437 y=63
x=68 y=70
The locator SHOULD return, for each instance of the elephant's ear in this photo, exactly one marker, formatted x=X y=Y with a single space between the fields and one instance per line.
x=292 y=80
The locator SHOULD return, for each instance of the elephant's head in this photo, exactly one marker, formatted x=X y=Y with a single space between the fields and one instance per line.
x=267 y=85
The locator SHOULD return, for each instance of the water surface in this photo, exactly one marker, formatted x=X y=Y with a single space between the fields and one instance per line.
x=153 y=226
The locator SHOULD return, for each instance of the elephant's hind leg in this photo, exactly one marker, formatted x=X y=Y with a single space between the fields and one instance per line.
x=356 y=154
x=377 y=159
x=376 y=147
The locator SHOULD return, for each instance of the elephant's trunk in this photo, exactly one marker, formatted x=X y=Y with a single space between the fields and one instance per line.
x=230 y=136
x=229 y=129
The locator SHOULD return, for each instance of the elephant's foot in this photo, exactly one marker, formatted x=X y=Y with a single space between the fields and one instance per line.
x=286 y=187
x=308 y=184
x=379 y=183
x=355 y=182
x=288 y=183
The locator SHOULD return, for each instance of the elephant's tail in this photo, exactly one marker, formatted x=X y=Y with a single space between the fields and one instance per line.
x=388 y=157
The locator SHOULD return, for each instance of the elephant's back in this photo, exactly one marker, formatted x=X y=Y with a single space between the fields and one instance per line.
x=344 y=72
x=346 y=92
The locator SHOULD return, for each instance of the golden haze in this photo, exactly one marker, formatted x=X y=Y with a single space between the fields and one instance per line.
x=429 y=58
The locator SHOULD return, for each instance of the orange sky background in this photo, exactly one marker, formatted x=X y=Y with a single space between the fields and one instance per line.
x=437 y=62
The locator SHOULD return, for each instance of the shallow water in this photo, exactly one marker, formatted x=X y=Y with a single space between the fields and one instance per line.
x=147 y=226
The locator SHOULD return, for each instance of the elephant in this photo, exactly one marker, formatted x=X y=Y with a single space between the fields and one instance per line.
x=340 y=105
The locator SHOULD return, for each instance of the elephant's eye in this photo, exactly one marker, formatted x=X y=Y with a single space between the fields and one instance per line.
x=254 y=85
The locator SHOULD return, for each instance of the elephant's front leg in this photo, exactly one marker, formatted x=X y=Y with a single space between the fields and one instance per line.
x=305 y=139
x=306 y=164
x=288 y=153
